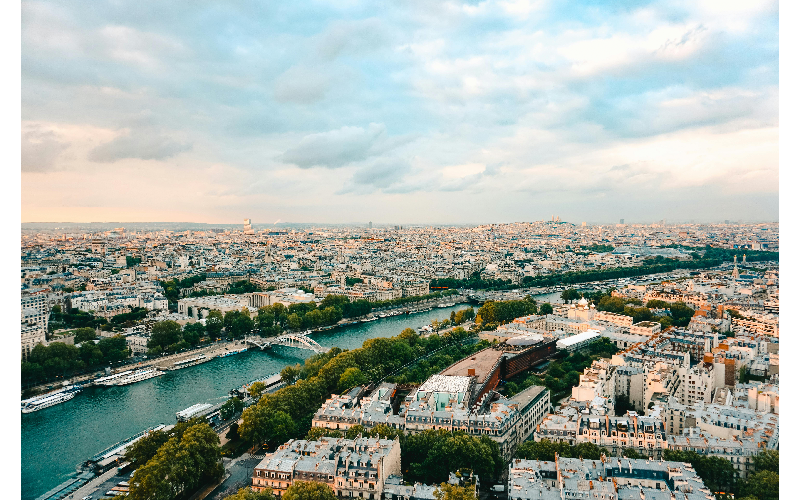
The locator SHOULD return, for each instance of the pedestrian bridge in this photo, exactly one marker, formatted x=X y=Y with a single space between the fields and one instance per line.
x=299 y=340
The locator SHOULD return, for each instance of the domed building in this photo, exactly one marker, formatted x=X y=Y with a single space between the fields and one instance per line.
x=582 y=311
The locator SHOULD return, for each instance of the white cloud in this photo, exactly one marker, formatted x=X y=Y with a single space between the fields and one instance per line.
x=40 y=149
x=340 y=147
x=302 y=84
x=145 y=144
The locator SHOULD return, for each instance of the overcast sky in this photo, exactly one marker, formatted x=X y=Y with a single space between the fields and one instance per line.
x=409 y=111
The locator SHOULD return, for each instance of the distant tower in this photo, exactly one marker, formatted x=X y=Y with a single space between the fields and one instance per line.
x=583 y=224
x=735 y=269
x=370 y=224
x=248 y=228
x=622 y=221
x=744 y=258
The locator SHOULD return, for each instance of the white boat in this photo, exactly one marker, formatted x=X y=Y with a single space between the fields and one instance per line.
x=231 y=353
x=139 y=375
x=49 y=399
x=112 y=379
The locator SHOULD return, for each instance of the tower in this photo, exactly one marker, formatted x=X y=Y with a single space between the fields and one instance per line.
x=735 y=269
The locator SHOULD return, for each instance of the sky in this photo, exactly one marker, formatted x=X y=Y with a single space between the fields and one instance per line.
x=399 y=112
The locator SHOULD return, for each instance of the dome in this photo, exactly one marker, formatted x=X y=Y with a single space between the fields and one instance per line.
x=583 y=302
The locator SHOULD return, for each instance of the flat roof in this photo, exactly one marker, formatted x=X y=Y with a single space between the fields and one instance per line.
x=482 y=362
x=445 y=383
x=525 y=397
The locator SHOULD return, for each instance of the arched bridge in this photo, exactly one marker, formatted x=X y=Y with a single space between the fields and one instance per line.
x=299 y=340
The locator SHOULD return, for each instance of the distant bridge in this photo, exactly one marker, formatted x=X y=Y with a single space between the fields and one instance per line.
x=299 y=340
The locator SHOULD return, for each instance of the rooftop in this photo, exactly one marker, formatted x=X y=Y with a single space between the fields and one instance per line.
x=482 y=362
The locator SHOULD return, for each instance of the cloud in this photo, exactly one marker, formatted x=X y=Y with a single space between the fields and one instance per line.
x=352 y=37
x=383 y=173
x=302 y=84
x=40 y=149
x=145 y=144
x=343 y=146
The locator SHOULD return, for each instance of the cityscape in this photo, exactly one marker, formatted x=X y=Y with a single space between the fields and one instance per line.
x=438 y=250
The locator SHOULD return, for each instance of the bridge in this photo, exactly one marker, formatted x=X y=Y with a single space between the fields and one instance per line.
x=299 y=340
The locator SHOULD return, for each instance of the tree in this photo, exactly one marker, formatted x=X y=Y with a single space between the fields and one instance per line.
x=569 y=295
x=231 y=408
x=632 y=453
x=189 y=459
x=545 y=309
x=431 y=455
x=256 y=388
x=309 y=490
x=249 y=494
x=681 y=314
x=762 y=485
x=165 y=334
x=767 y=460
x=289 y=374
x=317 y=432
x=294 y=321
x=192 y=333
x=214 y=323
x=146 y=448
x=351 y=378
x=355 y=431
x=241 y=326
x=84 y=334
x=447 y=491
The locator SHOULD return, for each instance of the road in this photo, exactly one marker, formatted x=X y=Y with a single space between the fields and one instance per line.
x=241 y=472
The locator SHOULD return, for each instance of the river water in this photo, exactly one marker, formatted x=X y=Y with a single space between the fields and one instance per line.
x=55 y=440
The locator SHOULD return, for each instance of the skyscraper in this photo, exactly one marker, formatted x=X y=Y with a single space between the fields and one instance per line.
x=248 y=229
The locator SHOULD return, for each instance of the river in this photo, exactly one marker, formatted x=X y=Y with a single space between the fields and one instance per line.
x=55 y=440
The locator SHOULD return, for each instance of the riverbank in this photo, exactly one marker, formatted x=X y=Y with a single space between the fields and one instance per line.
x=56 y=439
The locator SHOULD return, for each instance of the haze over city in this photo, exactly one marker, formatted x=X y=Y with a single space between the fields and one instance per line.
x=452 y=112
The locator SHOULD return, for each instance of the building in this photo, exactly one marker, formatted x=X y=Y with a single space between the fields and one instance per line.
x=199 y=307
x=646 y=435
x=442 y=402
x=579 y=340
x=248 y=227
x=351 y=467
x=607 y=478
x=34 y=317
x=645 y=328
x=614 y=318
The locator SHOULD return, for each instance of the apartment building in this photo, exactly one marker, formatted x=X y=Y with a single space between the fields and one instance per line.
x=33 y=321
x=353 y=468
x=607 y=478
x=442 y=402
x=646 y=435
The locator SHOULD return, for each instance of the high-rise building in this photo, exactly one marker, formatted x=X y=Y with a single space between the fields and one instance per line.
x=370 y=224
x=622 y=221
x=248 y=228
